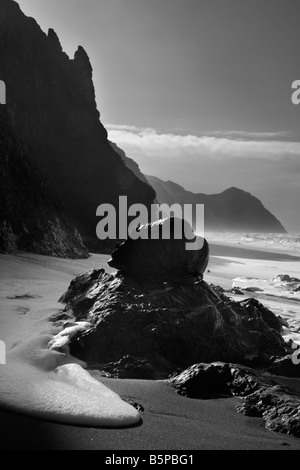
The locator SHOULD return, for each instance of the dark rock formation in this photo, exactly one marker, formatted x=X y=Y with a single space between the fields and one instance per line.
x=156 y=258
x=131 y=367
x=218 y=379
x=235 y=291
x=131 y=164
x=31 y=215
x=170 y=326
x=233 y=210
x=151 y=326
x=278 y=406
x=252 y=306
x=51 y=103
x=285 y=278
x=291 y=284
x=285 y=366
x=263 y=396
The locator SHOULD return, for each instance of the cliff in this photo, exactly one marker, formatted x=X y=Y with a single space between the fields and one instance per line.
x=233 y=210
x=51 y=104
x=131 y=164
x=31 y=215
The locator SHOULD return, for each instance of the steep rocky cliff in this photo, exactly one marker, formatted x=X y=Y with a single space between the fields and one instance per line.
x=51 y=103
x=131 y=164
x=31 y=215
x=233 y=210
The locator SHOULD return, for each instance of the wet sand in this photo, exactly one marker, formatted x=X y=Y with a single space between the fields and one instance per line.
x=169 y=422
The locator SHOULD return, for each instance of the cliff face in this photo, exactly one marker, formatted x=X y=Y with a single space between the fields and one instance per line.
x=131 y=164
x=31 y=216
x=233 y=210
x=51 y=103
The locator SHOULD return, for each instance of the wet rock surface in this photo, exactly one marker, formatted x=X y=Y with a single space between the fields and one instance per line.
x=278 y=406
x=131 y=367
x=170 y=326
x=218 y=379
x=291 y=284
x=288 y=366
x=262 y=396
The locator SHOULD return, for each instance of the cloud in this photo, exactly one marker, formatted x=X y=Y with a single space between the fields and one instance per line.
x=245 y=135
x=148 y=142
x=129 y=128
x=262 y=163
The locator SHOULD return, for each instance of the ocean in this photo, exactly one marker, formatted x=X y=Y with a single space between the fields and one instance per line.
x=274 y=281
x=278 y=242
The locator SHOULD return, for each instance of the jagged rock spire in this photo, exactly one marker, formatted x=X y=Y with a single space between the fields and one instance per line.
x=54 y=40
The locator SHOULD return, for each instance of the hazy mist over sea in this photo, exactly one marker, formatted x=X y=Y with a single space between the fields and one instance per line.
x=278 y=242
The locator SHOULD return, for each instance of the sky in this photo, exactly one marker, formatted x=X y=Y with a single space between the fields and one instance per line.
x=196 y=91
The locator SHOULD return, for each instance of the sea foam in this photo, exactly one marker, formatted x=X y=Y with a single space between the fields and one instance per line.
x=281 y=295
x=42 y=380
x=273 y=287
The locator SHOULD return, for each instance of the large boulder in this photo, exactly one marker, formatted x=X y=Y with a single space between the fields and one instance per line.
x=287 y=366
x=278 y=406
x=262 y=396
x=218 y=379
x=170 y=327
x=160 y=252
x=289 y=283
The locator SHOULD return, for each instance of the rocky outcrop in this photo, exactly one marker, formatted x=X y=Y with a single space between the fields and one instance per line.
x=169 y=326
x=288 y=366
x=218 y=379
x=278 y=406
x=233 y=210
x=144 y=326
x=131 y=367
x=291 y=284
x=31 y=215
x=160 y=253
x=263 y=397
x=51 y=103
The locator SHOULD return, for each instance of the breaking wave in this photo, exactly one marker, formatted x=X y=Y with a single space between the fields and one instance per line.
x=287 y=242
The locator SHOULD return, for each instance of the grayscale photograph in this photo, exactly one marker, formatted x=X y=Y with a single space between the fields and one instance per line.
x=150 y=227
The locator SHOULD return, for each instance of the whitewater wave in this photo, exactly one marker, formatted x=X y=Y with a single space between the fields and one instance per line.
x=42 y=379
x=281 y=294
x=278 y=287
x=287 y=242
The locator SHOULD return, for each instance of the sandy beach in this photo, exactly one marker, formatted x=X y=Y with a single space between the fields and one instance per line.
x=165 y=136
x=169 y=422
x=30 y=288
